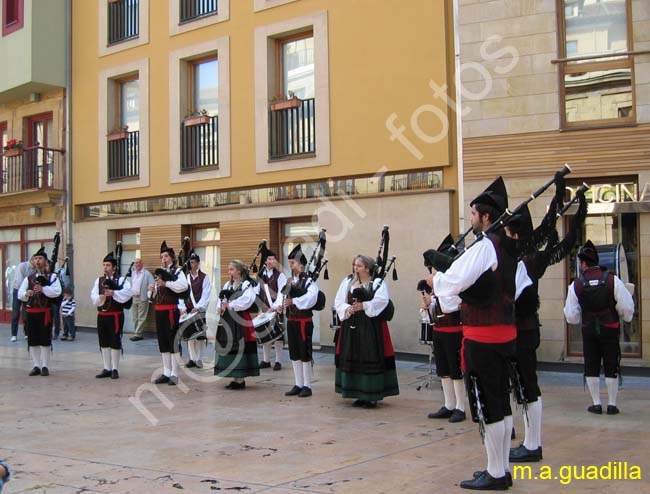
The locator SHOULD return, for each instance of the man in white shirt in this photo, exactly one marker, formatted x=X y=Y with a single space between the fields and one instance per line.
x=195 y=303
x=140 y=280
x=272 y=281
x=22 y=271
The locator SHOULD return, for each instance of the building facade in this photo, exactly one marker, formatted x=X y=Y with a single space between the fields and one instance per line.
x=569 y=83
x=236 y=121
x=32 y=133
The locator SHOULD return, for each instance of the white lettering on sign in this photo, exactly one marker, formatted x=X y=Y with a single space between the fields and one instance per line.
x=613 y=193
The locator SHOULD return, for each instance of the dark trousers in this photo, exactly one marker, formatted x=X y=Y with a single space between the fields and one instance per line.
x=601 y=345
x=56 y=318
x=17 y=308
x=109 y=331
x=69 y=328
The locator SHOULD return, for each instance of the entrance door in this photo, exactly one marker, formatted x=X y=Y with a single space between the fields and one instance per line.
x=40 y=137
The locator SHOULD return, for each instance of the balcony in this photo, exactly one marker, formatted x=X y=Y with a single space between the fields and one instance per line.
x=292 y=131
x=36 y=168
x=200 y=145
x=123 y=20
x=124 y=156
x=195 y=9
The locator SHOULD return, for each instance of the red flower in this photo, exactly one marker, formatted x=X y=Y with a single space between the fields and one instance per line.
x=13 y=144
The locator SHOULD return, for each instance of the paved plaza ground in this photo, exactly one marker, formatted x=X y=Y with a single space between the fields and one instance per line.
x=72 y=433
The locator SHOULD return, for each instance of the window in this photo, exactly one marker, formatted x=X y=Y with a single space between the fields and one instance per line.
x=194 y=9
x=4 y=137
x=12 y=16
x=295 y=56
x=130 y=247
x=601 y=82
x=124 y=138
x=123 y=20
x=205 y=242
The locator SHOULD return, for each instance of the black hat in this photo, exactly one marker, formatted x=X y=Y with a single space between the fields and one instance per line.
x=194 y=256
x=588 y=253
x=41 y=253
x=521 y=223
x=110 y=258
x=266 y=252
x=169 y=250
x=495 y=195
x=297 y=254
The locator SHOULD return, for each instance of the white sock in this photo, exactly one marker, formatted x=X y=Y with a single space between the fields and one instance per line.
x=35 y=354
x=494 y=445
x=45 y=356
x=115 y=359
x=612 y=389
x=190 y=349
x=538 y=427
x=532 y=421
x=106 y=357
x=174 y=358
x=459 y=391
x=198 y=350
x=278 y=350
x=448 y=392
x=167 y=364
x=593 y=383
x=507 y=426
x=266 y=351
x=297 y=373
x=308 y=373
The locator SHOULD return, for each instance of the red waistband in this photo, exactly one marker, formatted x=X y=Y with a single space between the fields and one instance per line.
x=166 y=307
x=303 y=323
x=498 y=333
x=448 y=329
x=111 y=313
x=34 y=310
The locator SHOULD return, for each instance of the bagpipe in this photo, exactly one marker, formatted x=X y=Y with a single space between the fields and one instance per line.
x=315 y=265
x=117 y=283
x=44 y=279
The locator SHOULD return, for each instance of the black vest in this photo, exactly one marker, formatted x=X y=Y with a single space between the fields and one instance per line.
x=527 y=305
x=110 y=305
x=196 y=285
x=595 y=292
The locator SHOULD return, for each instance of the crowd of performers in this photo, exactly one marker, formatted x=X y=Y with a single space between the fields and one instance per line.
x=480 y=304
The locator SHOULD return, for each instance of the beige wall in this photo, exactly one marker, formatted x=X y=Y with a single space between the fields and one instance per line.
x=353 y=227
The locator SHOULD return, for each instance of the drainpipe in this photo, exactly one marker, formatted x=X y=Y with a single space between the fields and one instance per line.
x=459 y=122
x=69 y=249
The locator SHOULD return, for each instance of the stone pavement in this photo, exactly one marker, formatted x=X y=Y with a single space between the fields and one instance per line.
x=72 y=433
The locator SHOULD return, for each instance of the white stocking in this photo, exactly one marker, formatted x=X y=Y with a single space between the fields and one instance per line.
x=115 y=359
x=593 y=383
x=297 y=373
x=174 y=358
x=459 y=391
x=278 y=350
x=494 y=445
x=507 y=426
x=167 y=364
x=612 y=390
x=35 y=354
x=532 y=423
x=448 y=392
x=266 y=351
x=45 y=356
x=308 y=373
x=106 y=357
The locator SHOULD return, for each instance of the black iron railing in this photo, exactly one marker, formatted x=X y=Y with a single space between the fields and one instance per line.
x=200 y=145
x=193 y=9
x=292 y=131
x=123 y=20
x=34 y=168
x=124 y=156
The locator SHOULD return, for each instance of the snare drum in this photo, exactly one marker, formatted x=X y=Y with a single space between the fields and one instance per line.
x=267 y=328
x=336 y=322
x=192 y=326
x=426 y=333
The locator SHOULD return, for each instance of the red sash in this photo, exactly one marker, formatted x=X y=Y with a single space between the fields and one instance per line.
x=499 y=333
x=116 y=316
x=448 y=329
x=47 y=311
x=170 y=309
x=303 y=326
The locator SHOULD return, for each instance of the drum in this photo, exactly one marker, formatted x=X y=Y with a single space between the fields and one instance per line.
x=267 y=328
x=336 y=322
x=426 y=333
x=192 y=326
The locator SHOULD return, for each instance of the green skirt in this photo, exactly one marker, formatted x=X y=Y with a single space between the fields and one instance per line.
x=235 y=364
x=367 y=387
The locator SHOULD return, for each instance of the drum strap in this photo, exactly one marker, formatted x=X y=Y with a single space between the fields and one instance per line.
x=189 y=282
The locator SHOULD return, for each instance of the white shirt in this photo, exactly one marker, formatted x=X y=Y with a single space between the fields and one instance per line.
x=308 y=300
x=522 y=280
x=53 y=290
x=202 y=304
x=22 y=271
x=624 y=303
x=137 y=277
x=120 y=296
x=244 y=301
x=372 y=308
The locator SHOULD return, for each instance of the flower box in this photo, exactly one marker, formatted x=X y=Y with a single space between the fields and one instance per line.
x=117 y=136
x=198 y=120
x=13 y=152
x=286 y=104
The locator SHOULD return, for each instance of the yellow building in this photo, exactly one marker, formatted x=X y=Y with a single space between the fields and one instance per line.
x=233 y=121
x=32 y=133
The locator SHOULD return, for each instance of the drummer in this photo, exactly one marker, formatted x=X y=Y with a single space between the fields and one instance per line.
x=272 y=281
x=193 y=310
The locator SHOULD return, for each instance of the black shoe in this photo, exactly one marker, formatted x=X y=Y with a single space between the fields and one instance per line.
x=443 y=413
x=115 y=374
x=190 y=364
x=612 y=410
x=104 y=373
x=45 y=371
x=508 y=477
x=173 y=381
x=370 y=404
x=525 y=455
x=199 y=364
x=295 y=391
x=277 y=366
x=35 y=372
x=457 y=416
x=597 y=409
x=358 y=403
x=163 y=379
x=485 y=482
x=304 y=392
x=136 y=338
x=64 y=338
x=265 y=365
x=236 y=385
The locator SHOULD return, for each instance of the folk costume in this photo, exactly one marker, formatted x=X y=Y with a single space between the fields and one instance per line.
x=271 y=281
x=196 y=302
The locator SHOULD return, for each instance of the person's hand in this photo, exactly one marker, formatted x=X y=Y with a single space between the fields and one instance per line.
x=221 y=310
x=288 y=302
x=160 y=282
x=429 y=280
x=427 y=301
x=357 y=307
x=183 y=312
x=29 y=293
x=38 y=288
x=102 y=299
x=194 y=310
x=348 y=312
x=224 y=306
x=108 y=293
x=150 y=287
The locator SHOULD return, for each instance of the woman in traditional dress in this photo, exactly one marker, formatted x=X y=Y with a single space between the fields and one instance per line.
x=365 y=360
x=236 y=345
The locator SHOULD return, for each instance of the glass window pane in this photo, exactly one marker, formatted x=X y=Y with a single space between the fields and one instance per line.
x=206 y=87
x=40 y=232
x=131 y=238
x=130 y=105
x=3 y=138
x=298 y=230
x=298 y=68
x=210 y=234
x=596 y=27
x=10 y=235
x=32 y=247
x=598 y=94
